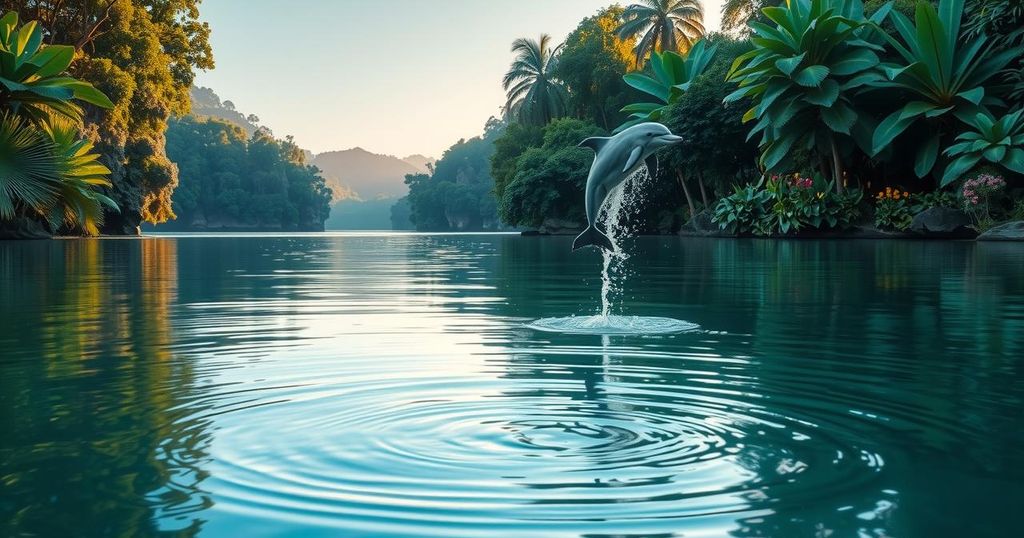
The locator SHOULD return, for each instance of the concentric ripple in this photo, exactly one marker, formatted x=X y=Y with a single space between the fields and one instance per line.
x=613 y=325
x=600 y=448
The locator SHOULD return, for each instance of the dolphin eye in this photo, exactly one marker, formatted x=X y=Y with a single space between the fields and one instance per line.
x=650 y=134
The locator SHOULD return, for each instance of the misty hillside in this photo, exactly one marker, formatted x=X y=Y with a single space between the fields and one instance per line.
x=207 y=103
x=367 y=176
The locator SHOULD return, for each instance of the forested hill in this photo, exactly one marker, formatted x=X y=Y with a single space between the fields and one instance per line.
x=206 y=103
x=359 y=174
x=233 y=175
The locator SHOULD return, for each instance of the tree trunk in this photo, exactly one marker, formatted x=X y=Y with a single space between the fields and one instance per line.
x=686 y=191
x=837 y=166
x=703 y=192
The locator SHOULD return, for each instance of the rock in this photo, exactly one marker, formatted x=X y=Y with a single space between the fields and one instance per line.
x=24 y=228
x=1011 y=231
x=942 y=222
x=554 y=226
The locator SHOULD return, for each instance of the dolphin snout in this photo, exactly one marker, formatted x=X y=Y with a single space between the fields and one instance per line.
x=671 y=139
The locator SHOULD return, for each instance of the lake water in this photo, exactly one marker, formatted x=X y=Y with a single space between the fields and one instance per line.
x=387 y=385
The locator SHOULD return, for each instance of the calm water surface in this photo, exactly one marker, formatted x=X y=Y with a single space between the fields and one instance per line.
x=387 y=385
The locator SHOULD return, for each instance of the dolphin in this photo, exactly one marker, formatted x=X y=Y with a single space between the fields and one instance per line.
x=617 y=157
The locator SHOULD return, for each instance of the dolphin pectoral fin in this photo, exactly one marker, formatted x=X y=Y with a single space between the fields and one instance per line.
x=593 y=236
x=634 y=158
x=652 y=165
x=595 y=143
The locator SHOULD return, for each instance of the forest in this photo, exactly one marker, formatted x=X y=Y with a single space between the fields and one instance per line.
x=802 y=115
x=96 y=134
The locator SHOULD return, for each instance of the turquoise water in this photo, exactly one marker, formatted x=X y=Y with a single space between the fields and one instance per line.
x=388 y=385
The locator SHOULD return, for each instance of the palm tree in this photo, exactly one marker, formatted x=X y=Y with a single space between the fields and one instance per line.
x=535 y=96
x=662 y=25
x=736 y=13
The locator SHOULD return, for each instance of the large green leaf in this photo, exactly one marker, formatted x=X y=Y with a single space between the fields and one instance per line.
x=647 y=85
x=927 y=155
x=839 y=118
x=888 y=130
x=52 y=60
x=811 y=76
x=824 y=95
x=1014 y=160
x=788 y=65
x=958 y=167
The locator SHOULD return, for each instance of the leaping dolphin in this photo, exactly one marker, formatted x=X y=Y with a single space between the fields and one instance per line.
x=617 y=158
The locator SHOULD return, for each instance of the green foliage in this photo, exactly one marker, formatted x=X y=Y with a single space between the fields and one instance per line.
x=662 y=25
x=33 y=83
x=591 y=64
x=937 y=198
x=671 y=76
x=1000 y=142
x=508 y=147
x=737 y=13
x=142 y=54
x=535 y=95
x=745 y=211
x=787 y=204
x=714 y=145
x=943 y=75
x=802 y=78
x=549 y=178
x=46 y=170
x=894 y=210
x=459 y=194
x=229 y=181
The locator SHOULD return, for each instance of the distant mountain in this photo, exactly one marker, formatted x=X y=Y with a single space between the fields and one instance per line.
x=207 y=103
x=421 y=162
x=362 y=175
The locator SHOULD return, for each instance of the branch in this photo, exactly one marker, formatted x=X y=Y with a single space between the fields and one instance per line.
x=91 y=34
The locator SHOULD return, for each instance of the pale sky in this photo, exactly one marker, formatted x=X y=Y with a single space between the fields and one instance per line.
x=396 y=77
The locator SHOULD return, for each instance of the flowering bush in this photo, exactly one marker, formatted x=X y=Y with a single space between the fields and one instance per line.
x=787 y=203
x=978 y=194
x=893 y=209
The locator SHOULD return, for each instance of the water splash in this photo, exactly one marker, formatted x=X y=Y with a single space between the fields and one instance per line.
x=625 y=197
x=621 y=201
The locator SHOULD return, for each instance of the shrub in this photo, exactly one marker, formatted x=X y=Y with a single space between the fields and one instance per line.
x=893 y=210
x=979 y=193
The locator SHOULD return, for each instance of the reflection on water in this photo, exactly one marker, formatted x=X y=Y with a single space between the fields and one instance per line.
x=386 y=385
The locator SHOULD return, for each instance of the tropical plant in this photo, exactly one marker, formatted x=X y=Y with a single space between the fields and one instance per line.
x=662 y=25
x=32 y=80
x=672 y=76
x=802 y=78
x=1000 y=142
x=80 y=170
x=744 y=211
x=936 y=198
x=737 y=13
x=46 y=171
x=945 y=76
x=893 y=210
x=28 y=170
x=787 y=204
x=979 y=193
x=535 y=95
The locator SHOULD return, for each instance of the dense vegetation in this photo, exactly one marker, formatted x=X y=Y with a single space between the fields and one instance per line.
x=228 y=180
x=458 y=194
x=48 y=173
x=142 y=54
x=822 y=114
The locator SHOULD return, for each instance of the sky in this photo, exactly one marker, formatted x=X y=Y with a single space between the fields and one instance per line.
x=397 y=77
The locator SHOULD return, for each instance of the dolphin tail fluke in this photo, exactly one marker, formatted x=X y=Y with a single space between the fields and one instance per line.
x=593 y=236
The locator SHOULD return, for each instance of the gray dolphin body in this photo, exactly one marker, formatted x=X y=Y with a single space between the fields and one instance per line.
x=617 y=158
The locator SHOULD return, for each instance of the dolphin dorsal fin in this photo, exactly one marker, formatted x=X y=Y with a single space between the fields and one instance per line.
x=595 y=143
x=634 y=158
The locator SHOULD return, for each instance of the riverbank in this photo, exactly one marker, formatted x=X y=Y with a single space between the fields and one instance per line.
x=1009 y=231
